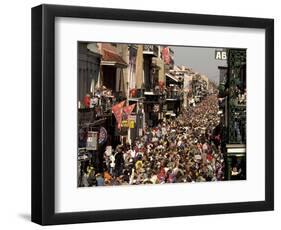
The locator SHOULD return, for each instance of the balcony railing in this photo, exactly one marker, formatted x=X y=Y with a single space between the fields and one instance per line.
x=173 y=95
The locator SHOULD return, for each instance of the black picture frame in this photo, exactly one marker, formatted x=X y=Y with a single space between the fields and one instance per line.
x=43 y=114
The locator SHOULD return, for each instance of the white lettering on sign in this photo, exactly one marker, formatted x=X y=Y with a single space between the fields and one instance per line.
x=220 y=55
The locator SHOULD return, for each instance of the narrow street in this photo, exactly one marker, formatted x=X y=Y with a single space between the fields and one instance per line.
x=183 y=149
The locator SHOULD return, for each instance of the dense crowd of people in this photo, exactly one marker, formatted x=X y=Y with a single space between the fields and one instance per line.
x=183 y=149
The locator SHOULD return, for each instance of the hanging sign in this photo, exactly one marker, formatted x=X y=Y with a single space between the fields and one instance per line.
x=92 y=140
x=124 y=124
x=131 y=124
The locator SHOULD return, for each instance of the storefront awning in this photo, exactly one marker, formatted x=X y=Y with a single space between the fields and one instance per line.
x=110 y=58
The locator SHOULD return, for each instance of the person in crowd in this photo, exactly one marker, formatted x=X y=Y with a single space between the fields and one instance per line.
x=119 y=161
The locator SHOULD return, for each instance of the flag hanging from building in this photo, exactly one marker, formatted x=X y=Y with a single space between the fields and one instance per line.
x=166 y=55
x=129 y=109
x=117 y=110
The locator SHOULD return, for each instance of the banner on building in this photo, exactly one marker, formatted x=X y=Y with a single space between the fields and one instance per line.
x=117 y=110
x=166 y=55
x=129 y=109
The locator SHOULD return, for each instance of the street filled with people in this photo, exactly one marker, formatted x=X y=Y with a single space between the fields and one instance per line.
x=186 y=148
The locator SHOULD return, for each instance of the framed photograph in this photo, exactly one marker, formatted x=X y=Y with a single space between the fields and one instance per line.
x=143 y=114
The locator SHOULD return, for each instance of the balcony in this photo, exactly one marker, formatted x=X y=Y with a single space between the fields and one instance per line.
x=173 y=95
x=150 y=50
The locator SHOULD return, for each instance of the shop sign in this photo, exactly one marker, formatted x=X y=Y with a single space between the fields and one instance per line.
x=131 y=124
x=220 y=55
x=124 y=124
x=92 y=140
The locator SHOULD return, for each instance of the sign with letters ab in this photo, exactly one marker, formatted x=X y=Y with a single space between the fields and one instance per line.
x=220 y=54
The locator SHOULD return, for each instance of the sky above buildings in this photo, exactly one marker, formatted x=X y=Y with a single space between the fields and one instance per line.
x=200 y=59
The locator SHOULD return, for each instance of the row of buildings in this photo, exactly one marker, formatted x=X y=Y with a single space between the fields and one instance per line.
x=141 y=75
